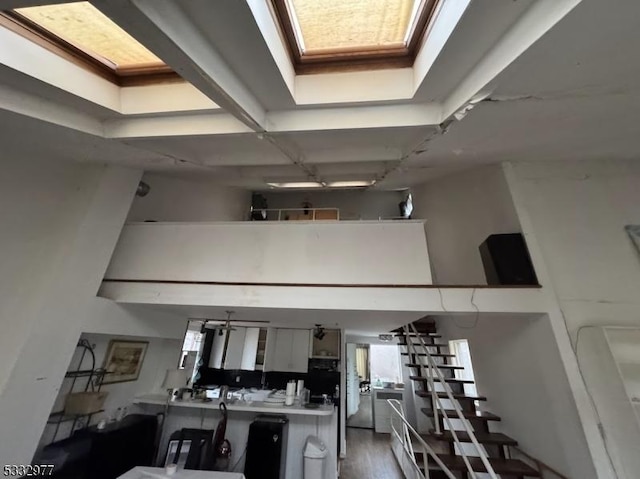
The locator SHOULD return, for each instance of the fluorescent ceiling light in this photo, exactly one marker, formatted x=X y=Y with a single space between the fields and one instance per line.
x=330 y=184
x=350 y=184
x=297 y=184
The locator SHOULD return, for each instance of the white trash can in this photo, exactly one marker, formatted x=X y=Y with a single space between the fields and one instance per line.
x=315 y=457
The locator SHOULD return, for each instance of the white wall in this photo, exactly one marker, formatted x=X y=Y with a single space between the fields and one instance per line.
x=573 y=216
x=60 y=225
x=41 y=205
x=108 y=317
x=597 y=351
x=393 y=252
x=578 y=211
x=461 y=210
x=179 y=199
x=353 y=204
x=517 y=367
x=161 y=354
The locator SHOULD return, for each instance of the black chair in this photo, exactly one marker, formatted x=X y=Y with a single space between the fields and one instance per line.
x=200 y=455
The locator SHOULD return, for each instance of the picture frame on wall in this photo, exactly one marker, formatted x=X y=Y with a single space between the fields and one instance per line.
x=123 y=360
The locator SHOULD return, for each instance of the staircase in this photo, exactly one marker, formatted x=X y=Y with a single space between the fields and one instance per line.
x=415 y=342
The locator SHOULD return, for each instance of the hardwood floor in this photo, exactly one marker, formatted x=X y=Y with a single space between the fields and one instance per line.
x=369 y=456
x=363 y=418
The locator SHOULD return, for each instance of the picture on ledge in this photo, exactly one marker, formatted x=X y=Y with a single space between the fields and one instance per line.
x=123 y=360
x=634 y=234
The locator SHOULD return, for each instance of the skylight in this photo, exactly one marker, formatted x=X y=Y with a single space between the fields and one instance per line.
x=347 y=32
x=352 y=25
x=86 y=28
x=82 y=34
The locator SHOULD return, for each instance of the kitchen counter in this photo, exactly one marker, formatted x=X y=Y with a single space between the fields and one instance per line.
x=242 y=406
x=159 y=473
x=321 y=422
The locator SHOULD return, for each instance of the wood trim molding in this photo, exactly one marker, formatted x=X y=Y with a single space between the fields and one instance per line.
x=144 y=75
x=322 y=285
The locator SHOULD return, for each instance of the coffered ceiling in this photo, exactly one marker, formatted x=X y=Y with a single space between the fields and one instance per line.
x=496 y=80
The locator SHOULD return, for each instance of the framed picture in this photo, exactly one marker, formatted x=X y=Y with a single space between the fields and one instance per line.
x=123 y=360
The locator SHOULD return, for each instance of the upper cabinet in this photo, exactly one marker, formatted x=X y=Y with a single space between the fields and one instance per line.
x=326 y=348
x=288 y=350
x=245 y=349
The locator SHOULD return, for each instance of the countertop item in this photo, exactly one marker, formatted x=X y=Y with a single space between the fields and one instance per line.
x=255 y=406
x=141 y=472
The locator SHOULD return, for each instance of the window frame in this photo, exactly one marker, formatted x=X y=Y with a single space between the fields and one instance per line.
x=127 y=76
x=355 y=59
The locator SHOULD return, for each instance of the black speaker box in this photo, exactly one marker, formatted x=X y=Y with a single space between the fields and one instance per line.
x=506 y=260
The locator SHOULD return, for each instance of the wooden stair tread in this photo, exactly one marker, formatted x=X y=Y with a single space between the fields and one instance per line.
x=447 y=380
x=510 y=467
x=433 y=355
x=414 y=335
x=482 y=437
x=478 y=415
x=429 y=345
x=443 y=395
x=440 y=366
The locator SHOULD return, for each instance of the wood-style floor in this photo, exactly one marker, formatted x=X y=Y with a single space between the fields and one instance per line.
x=364 y=416
x=369 y=456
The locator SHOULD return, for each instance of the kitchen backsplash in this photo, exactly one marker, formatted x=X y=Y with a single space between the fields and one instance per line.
x=317 y=381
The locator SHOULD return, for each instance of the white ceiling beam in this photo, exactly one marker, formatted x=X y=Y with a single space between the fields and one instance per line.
x=428 y=300
x=48 y=111
x=356 y=154
x=176 y=125
x=533 y=24
x=164 y=28
x=23 y=55
x=355 y=87
x=381 y=116
x=261 y=10
x=448 y=14
x=164 y=98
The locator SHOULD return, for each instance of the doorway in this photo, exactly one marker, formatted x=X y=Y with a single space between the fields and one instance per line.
x=359 y=402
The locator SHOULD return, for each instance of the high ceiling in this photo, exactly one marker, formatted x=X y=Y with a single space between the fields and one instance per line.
x=541 y=80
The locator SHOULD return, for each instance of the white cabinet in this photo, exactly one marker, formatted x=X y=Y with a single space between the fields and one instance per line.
x=288 y=350
x=382 y=410
x=217 y=349
x=242 y=349
x=250 y=350
x=235 y=348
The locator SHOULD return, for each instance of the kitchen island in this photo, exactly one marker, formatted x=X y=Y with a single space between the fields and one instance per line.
x=303 y=422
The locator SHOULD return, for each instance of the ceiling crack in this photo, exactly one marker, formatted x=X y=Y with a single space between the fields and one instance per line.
x=420 y=148
x=295 y=157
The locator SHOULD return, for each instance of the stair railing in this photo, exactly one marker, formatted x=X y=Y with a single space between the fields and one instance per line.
x=434 y=372
x=406 y=441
